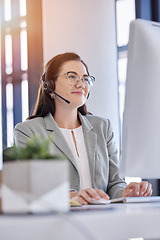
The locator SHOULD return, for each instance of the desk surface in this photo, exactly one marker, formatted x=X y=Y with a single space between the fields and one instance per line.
x=116 y=222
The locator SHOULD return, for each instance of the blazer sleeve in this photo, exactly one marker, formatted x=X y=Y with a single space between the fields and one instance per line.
x=116 y=184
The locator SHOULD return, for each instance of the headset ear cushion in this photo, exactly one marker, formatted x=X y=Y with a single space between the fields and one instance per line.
x=48 y=85
x=88 y=95
x=51 y=85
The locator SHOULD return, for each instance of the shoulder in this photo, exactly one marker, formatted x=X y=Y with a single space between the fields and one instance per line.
x=30 y=124
x=27 y=129
x=98 y=124
x=92 y=117
x=98 y=121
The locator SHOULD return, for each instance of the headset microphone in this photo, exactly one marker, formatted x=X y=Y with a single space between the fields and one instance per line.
x=49 y=90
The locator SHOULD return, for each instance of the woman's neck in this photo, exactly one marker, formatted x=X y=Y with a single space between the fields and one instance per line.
x=68 y=120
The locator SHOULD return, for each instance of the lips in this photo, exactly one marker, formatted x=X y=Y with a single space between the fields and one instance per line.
x=78 y=93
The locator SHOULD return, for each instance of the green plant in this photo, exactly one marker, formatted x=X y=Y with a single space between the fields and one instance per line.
x=36 y=148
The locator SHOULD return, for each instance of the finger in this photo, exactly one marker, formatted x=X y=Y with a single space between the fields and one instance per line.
x=128 y=193
x=73 y=194
x=136 y=189
x=84 y=194
x=93 y=193
x=102 y=194
x=150 y=193
x=149 y=188
x=80 y=200
x=135 y=186
x=130 y=185
x=143 y=187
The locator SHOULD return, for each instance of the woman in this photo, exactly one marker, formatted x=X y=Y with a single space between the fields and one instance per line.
x=87 y=141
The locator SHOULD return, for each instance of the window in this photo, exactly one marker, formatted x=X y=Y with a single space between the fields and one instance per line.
x=14 y=64
x=125 y=12
x=21 y=61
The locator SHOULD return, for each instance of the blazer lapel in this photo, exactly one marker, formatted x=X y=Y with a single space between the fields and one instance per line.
x=91 y=145
x=89 y=136
x=58 y=138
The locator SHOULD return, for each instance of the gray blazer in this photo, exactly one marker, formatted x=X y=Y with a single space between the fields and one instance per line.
x=99 y=140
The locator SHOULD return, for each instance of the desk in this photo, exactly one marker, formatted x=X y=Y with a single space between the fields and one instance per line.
x=116 y=222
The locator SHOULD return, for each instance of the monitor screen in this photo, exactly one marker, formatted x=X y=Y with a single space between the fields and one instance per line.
x=141 y=119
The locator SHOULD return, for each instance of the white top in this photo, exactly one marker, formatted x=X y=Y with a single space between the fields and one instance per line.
x=80 y=154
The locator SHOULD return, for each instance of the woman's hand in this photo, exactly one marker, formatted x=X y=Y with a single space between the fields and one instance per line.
x=87 y=195
x=142 y=189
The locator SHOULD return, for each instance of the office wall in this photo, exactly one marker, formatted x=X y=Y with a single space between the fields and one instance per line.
x=87 y=27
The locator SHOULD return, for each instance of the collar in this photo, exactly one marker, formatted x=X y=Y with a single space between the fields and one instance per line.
x=51 y=124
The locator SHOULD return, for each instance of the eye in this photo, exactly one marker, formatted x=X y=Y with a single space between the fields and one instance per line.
x=71 y=76
x=86 y=79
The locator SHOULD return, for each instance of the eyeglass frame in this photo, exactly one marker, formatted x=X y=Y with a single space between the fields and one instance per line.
x=79 y=78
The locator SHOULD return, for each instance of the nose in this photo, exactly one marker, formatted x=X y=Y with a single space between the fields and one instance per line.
x=80 y=83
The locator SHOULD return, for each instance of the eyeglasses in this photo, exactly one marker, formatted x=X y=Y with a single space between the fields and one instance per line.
x=74 y=78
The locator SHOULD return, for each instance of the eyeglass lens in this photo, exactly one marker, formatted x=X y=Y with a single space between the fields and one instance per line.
x=73 y=78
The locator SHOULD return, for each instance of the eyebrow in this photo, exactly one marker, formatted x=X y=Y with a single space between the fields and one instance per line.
x=84 y=75
x=71 y=72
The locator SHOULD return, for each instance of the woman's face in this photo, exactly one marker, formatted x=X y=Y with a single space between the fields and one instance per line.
x=76 y=93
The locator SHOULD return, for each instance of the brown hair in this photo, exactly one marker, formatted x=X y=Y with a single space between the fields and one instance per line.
x=44 y=103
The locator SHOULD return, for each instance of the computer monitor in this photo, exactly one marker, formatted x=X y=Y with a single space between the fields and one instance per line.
x=141 y=119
